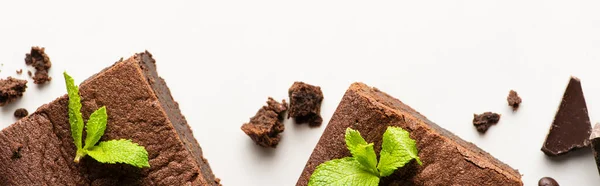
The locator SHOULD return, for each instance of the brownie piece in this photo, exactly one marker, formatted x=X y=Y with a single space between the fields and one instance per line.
x=21 y=113
x=547 y=181
x=305 y=103
x=513 y=100
x=265 y=127
x=41 y=62
x=447 y=159
x=140 y=108
x=484 y=121
x=11 y=89
x=571 y=127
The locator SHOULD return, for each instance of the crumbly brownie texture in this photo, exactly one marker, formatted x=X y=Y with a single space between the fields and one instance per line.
x=571 y=127
x=11 y=89
x=484 y=121
x=140 y=108
x=447 y=159
x=20 y=113
x=305 y=103
x=265 y=127
x=513 y=100
x=41 y=62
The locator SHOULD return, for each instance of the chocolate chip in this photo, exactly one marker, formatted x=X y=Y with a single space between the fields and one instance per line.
x=547 y=181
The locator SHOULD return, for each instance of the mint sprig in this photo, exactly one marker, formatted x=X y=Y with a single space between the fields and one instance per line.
x=113 y=151
x=362 y=168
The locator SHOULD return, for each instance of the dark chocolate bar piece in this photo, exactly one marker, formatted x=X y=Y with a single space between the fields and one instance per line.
x=571 y=127
x=447 y=159
x=39 y=149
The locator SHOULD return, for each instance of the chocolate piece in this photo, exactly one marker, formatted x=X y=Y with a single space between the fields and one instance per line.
x=11 y=89
x=20 y=113
x=41 y=62
x=265 y=126
x=305 y=103
x=571 y=127
x=447 y=159
x=595 y=141
x=140 y=108
x=513 y=100
x=547 y=181
x=484 y=121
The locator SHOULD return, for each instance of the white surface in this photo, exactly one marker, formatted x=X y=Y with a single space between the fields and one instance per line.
x=222 y=59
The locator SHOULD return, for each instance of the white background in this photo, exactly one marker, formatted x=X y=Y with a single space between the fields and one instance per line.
x=447 y=59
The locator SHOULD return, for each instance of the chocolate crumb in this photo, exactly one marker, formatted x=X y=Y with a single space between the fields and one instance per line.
x=11 y=89
x=20 y=71
x=547 y=181
x=484 y=121
x=305 y=103
x=29 y=73
x=265 y=126
x=513 y=100
x=41 y=62
x=21 y=113
x=16 y=150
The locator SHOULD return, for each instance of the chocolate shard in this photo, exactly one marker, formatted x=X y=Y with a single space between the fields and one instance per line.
x=447 y=159
x=571 y=127
x=595 y=141
x=39 y=150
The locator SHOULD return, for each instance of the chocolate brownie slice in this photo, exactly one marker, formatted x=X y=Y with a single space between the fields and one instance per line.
x=447 y=159
x=265 y=126
x=140 y=108
x=305 y=103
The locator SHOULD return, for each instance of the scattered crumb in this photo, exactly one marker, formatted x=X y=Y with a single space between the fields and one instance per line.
x=29 y=73
x=265 y=126
x=484 y=121
x=11 y=89
x=20 y=71
x=21 y=113
x=305 y=103
x=513 y=100
x=41 y=62
x=16 y=150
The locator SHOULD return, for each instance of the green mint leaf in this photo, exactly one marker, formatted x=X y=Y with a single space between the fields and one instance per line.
x=75 y=118
x=397 y=150
x=120 y=151
x=345 y=171
x=361 y=151
x=95 y=127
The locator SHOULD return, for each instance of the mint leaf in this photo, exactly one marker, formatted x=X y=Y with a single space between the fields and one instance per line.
x=345 y=171
x=95 y=127
x=75 y=118
x=361 y=151
x=120 y=151
x=397 y=150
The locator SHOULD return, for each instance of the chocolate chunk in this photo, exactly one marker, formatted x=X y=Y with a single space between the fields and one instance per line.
x=484 y=121
x=513 y=100
x=571 y=127
x=21 y=113
x=15 y=148
x=447 y=159
x=305 y=103
x=595 y=141
x=11 y=89
x=41 y=62
x=547 y=181
x=265 y=127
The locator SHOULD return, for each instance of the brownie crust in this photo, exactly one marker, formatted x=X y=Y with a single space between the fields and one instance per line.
x=447 y=159
x=139 y=107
